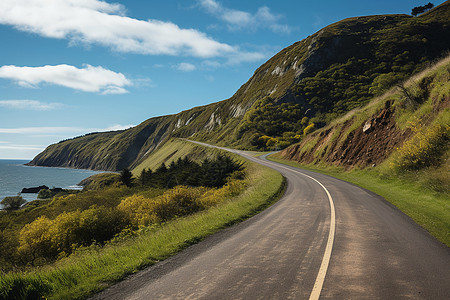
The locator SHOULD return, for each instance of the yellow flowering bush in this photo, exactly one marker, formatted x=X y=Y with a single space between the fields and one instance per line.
x=176 y=202
x=424 y=149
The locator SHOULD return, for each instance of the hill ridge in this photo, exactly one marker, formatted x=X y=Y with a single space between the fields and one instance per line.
x=305 y=85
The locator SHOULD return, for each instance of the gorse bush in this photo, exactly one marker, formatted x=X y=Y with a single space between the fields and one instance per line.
x=48 y=239
x=177 y=202
x=425 y=149
x=214 y=196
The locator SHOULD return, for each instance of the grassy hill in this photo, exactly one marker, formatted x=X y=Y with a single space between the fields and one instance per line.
x=406 y=129
x=303 y=87
x=397 y=146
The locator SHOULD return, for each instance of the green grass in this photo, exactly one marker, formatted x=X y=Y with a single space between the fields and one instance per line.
x=426 y=207
x=93 y=269
x=172 y=150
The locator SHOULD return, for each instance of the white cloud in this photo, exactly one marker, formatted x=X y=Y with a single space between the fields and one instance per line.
x=30 y=105
x=88 y=79
x=40 y=130
x=237 y=19
x=245 y=57
x=21 y=147
x=62 y=130
x=105 y=24
x=185 y=67
x=113 y=128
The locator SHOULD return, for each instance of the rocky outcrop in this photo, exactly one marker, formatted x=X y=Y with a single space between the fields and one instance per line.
x=34 y=190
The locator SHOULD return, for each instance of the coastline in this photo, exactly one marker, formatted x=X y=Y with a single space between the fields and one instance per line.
x=15 y=175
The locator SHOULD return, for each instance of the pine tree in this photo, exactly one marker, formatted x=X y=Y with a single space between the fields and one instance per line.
x=126 y=177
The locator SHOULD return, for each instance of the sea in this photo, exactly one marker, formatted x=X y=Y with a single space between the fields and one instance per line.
x=14 y=176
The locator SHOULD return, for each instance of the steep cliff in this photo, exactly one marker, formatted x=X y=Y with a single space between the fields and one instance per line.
x=337 y=69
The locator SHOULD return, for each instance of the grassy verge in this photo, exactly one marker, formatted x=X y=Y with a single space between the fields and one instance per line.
x=429 y=209
x=93 y=269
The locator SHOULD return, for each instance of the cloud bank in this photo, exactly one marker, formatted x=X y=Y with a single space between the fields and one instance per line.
x=30 y=105
x=237 y=19
x=22 y=147
x=61 y=130
x=102 y=23
x=87 y=79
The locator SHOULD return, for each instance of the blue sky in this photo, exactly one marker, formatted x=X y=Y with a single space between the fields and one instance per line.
x=69 y=67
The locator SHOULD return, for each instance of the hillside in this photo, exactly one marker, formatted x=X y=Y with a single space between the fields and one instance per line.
x=404 y=132
x=303 y=87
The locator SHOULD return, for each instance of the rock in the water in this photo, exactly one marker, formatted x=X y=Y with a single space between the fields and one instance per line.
x=34 y=189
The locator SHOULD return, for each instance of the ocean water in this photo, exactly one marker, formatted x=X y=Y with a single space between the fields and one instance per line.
x=14 y=176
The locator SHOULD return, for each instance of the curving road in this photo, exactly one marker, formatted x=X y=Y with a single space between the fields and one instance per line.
x=324 y=238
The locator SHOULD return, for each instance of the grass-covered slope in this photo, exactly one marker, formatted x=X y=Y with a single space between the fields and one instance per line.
x=405 y=129
x=303 y=87
x=397 y=146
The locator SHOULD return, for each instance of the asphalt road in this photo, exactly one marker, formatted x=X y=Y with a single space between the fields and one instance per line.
x=324 y=238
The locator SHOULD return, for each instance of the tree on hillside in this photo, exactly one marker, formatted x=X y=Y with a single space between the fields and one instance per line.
x=146 y=176
x=126 y=177
x=12 y=203
x=421 y=9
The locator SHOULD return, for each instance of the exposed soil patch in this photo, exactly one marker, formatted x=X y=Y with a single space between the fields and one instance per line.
x=368 y=145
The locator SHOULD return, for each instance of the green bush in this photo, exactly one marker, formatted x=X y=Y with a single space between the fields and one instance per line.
x=48 y=239
x=12 y=203
x=179 y=201
x=176 y=202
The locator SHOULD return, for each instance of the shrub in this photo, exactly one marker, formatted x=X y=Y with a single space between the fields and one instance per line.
x=36 y=240
x=176 y=202
x=45 y=238
x=215 y=196
x=210 y=173
x=138 y=210
x=423 y=150
x=283 y=144
x=12 y=203
x=179 y=201
x=308 y=129
x=272 y=142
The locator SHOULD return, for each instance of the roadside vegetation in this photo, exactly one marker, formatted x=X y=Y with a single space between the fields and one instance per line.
x=71 y=246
